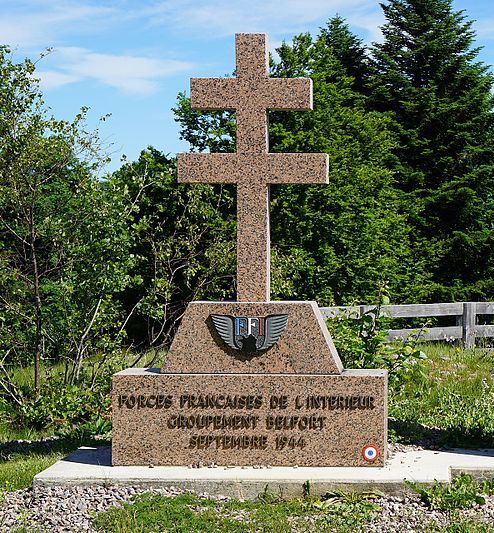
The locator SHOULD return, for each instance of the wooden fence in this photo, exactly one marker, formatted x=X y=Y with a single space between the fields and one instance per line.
x=465 y=313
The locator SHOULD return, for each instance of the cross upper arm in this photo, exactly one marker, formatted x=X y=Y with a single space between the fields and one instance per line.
x=213 y=93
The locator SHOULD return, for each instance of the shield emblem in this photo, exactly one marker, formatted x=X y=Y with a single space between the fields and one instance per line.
x=249 y=334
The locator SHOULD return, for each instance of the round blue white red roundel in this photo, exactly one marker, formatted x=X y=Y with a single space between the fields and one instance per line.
x=370 y=453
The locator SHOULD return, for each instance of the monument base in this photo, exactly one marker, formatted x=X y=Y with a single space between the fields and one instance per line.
x=249 y=419
x=92 y=467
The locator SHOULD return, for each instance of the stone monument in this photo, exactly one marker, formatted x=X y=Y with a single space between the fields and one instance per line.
x=251 y=382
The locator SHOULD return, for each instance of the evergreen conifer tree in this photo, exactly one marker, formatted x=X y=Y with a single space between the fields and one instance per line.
x=341 y=242
x=348 y=50
x=428 y=75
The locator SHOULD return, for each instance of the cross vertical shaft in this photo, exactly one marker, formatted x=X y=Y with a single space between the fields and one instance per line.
x=252 y=168
x=253 y=243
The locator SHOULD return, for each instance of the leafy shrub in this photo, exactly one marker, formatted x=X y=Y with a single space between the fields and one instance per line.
x=81 y=409
x=462 y=493
x=361 y=343
x=348 y=509
x=63 y=406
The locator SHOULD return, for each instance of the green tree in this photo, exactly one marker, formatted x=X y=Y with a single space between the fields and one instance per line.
x=62 y=247
x=348 y=50
x=351 y=237
x=184 y=242
x=426 y=73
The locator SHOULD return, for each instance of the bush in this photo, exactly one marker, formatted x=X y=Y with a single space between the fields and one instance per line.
x=62 y=407
x=81 y=409
x=361 y=343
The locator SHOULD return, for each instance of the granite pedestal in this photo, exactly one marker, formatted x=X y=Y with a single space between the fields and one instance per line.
x=290 y=405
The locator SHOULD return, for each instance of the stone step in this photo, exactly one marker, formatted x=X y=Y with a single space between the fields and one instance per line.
x=92 y=466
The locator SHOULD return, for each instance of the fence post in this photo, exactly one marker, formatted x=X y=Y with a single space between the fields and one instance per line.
x=468 y=324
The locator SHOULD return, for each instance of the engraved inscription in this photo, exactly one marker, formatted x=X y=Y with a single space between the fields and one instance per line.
x=289 y=442
x=212 y=422
x=295 y=422
x=286 y=428
x=229 y=442
x=335 y=402
x=140 y=401
x=220 y=401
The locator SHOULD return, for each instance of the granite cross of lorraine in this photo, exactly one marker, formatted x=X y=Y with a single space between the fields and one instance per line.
x=252 y=168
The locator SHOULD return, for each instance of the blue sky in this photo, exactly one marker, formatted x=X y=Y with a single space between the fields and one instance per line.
x=131 y=58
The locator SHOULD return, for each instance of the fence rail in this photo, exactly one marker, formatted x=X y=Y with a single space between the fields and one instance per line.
x=466 y=313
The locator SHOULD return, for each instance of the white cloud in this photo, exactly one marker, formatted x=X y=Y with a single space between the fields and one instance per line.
x=51 y=79
x=371 y=22
x=129 y=73
x=226 y=17
x=61 y=23
x=42 y=24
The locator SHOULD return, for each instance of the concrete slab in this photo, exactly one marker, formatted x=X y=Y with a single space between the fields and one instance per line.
x=92 y=466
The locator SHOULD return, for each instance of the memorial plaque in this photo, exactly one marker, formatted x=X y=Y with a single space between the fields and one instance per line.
x=252 y=382
x=249 y=419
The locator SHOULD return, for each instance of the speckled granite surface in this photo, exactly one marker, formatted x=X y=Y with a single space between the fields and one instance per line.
x=248 y=419
x=305 y=347
x=251 y=93
x=291 y=403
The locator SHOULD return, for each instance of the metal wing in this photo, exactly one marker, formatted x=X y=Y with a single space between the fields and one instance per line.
x=275 y=326
x=223 y=324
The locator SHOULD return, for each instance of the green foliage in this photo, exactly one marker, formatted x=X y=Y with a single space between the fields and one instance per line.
x=61 y=404
x=361 y=343
x=345 y=510
x=408 y=129
x=462 y=493
x=80 y=410
x=19 y=471
x=151 y=512
x=307 y=488
x=448 y=400
x=347 y=238
x=64 y=245
x=359 y=339
x=334 y=243
x=427 y=76
x=468 y=525
x=348 y=50
x=183 y=244
x=214 y=131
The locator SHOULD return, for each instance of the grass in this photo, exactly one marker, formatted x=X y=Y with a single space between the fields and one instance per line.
x=23 y=376
x=19 y=471
x=18 y=468
x=462 y=493
x=467 y=525
x=338 y=512
x=448 y=399
x=151 y=513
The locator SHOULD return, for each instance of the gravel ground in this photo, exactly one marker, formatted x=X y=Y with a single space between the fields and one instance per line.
x=63 y=509
x=70 y=509
x=409 y=514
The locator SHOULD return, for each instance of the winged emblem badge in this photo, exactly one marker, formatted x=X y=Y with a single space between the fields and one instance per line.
x=249 y=334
